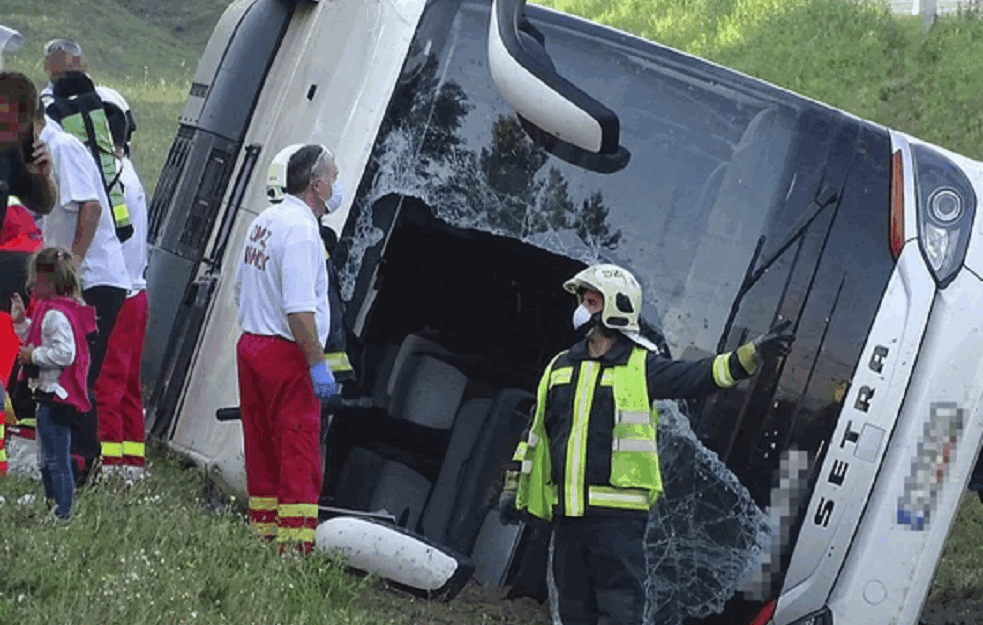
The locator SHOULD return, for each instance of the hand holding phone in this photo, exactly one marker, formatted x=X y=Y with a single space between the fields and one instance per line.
x=27 y=146
x=40 y=163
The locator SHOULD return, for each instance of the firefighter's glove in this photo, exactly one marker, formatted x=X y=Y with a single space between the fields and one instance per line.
x=323 y=381
x=777 y=342
x=506 y=508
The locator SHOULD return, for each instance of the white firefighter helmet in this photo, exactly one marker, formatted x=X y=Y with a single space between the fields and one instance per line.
x=622 y=295
x=276 y=175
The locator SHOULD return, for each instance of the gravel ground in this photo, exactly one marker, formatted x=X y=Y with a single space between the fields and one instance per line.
x=475 y=605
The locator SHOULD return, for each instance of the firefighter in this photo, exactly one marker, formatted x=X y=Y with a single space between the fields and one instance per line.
x=282 y=292
x=589 y=462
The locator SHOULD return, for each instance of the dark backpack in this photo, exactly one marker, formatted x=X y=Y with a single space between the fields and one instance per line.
x=79 y=110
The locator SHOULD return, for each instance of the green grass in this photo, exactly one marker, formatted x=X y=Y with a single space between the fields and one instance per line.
x=852 y=54
x=154 y=554
x=147 y=50
x=960 y=576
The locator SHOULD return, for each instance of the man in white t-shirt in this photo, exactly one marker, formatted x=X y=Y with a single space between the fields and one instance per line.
x=81 y=223
x=282 y=292
x=118 y=389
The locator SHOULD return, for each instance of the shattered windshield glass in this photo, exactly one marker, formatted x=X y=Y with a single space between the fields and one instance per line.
x=706 y=535
x=709 y=165
x=713 y=167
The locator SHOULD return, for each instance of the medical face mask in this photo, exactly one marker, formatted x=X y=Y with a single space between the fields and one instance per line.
x=580 y=316
x=337 y=197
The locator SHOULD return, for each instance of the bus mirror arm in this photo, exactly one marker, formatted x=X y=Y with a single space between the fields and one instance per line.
x=555 y=113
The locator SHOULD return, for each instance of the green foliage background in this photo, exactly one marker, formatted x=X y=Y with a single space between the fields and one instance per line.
x=852 y=54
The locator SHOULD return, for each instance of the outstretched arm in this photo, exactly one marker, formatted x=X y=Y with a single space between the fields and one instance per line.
x=678 y=379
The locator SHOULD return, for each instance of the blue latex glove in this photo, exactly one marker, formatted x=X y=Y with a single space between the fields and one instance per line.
x=323 y=380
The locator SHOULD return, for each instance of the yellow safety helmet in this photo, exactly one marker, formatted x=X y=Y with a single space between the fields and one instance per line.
x=622 y=295
x=276 y=175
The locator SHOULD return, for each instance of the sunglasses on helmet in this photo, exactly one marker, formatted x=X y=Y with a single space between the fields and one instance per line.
x=67 y=46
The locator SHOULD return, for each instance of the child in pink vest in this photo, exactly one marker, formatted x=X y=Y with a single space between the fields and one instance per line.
x=55 y=353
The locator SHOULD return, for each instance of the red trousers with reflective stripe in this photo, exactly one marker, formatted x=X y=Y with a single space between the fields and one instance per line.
x=118 y=391
x=281 y=426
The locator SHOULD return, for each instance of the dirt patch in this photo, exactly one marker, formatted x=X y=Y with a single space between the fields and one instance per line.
x=475 y=605
x=964 y=612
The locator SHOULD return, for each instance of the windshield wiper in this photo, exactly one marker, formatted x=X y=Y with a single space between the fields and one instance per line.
x=827 y=196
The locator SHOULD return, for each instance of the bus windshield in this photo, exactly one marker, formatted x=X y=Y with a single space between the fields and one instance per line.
x=723 y=171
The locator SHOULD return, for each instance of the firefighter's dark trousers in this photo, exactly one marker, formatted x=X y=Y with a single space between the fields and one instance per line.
x=599 y=569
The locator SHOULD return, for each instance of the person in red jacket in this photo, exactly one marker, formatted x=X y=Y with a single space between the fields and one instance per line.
x=8 y=353
x=55 y=354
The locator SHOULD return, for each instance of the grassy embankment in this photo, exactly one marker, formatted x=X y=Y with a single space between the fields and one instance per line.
x=152 y=555
x=147 y=50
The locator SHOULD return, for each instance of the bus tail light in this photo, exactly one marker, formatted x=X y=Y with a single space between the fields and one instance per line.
x=764 y=616
x=897 y=204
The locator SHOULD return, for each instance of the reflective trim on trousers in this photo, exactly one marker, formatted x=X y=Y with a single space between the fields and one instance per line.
x=264 y=529
x=262 y=503
x=297 y=510
x=295 y=534
x=133 y=448
x=112 y=450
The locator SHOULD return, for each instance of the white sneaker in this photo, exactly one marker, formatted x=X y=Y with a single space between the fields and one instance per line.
x=134 y=474
x=111 y=471
x=27 y=500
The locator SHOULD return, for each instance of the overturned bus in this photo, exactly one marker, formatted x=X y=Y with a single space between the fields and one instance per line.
x=492 y=150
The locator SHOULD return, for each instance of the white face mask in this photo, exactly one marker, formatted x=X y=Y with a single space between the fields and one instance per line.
x=337 y=197
x=580 y=316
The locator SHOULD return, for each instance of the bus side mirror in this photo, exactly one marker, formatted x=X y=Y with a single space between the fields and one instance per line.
x=556 y=114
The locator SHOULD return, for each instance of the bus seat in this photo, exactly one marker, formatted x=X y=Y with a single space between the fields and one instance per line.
x=371 y=482
x=465 y=436
x=423 y=389
x=494 y=549
x=481 y=477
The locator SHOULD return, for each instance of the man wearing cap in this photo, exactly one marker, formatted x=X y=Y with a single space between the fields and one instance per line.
x=61 y=56
x=589 y=461
x=282 y=293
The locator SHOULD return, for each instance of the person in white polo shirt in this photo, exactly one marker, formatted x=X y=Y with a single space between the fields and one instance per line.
x=81 y=223
x=118 y=389
x=282 y=292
